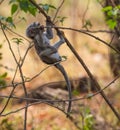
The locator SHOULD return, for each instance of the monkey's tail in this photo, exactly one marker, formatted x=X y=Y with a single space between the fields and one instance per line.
x=62 y=70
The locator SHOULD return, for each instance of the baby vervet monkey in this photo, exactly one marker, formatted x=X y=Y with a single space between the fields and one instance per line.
x=48 y=53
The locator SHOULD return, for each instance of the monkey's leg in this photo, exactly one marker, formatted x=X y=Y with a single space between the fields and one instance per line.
x=50 y=56
x=61 y=69
x=48 y=51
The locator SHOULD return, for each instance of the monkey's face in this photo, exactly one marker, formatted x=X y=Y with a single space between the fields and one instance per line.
x=34 y=29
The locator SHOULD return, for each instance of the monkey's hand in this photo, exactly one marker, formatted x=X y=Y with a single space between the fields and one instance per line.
x=60 y=33
x=42 y=27
x=48 y=20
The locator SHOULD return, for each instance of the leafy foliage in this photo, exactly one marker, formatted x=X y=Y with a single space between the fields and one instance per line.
x=4 y=75
x=112 y=15
x=2 y=80
x=88 y=119
x=61 y=19
x=6 y=125
x=8 y=21
x=14 y=8
x=17 y=40
x=47 y=7
x=87 y=24
x=0 y=52
x=22 y=5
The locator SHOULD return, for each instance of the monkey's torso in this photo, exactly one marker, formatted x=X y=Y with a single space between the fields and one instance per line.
x=46 y=52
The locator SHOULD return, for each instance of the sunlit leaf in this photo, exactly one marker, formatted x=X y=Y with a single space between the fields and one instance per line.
x=0 y=45
x=112 y=23
x=12 y=1
x=62 y=19
x=51 y=6
x=32 y=10
x=17 y=40
x=10 y=21
x=64 y=57
x=46 y=7
x=14 y=8
x=24 y=5
x=106 y=9
x=87 y=24
x=4 y=75
x=75 y=92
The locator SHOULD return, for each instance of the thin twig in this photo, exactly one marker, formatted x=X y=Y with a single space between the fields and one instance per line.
x=35 y=76
x=21 y=75
x=16 y=63
x=6 y=67
x=11 y=31
x=8 y=42
x=58 y=11
x=85 y=12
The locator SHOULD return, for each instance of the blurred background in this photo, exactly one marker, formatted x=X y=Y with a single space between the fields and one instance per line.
x=77 y=14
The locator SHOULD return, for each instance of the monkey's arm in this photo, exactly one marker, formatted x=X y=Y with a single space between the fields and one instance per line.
x=61 y=69
x=49 y=32
x=60 y=42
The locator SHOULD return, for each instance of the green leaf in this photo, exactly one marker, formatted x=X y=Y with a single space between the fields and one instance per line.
x=87 y=24
x=24 y=5
x=2 y=83
x=106 y=9
x=4 y=75
x=75 y=92
x=14 y=8
x=0 y=55
x=17 y=40
x=62 y=19
x=64 y=57
x=2 y=18
x=22 y=18
x=10 y=21
x=51 y=6
x=32 y=10
x=46 y=7
x=112 y=23
x=12 y=1
x=0 y=45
